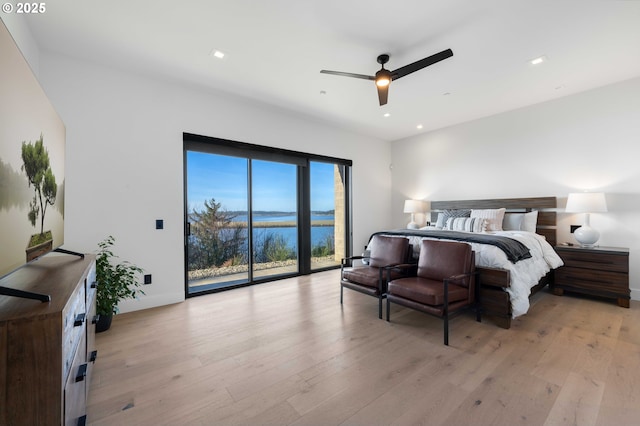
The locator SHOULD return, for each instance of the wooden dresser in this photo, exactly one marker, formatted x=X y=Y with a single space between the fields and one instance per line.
x=599 y=271
x=47 y=349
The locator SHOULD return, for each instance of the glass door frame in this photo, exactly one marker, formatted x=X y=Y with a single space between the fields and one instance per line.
x=192 y=142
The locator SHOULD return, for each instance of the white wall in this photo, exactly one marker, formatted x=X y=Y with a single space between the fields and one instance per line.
x=586 y=141
x=125 y=164
x=21 y=34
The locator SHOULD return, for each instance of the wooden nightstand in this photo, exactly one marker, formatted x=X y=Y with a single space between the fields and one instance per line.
x=599 y=271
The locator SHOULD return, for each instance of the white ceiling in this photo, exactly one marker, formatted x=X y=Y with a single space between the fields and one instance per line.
x=276 y=48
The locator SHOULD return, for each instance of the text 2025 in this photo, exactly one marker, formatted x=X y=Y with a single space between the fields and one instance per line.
x=31 y=7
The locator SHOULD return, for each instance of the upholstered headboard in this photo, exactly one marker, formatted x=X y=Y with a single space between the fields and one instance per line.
x=546 y=207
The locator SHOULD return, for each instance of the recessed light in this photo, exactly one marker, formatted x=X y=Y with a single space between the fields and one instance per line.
x=419 y=126
x=386 y=114
x=217 y=54
x=538 y=60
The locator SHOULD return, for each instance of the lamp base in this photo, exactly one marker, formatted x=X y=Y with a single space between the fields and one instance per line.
x=412 y=225
x=586 y=236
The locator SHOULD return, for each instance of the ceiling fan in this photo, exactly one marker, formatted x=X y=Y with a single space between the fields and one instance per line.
x=384 y=77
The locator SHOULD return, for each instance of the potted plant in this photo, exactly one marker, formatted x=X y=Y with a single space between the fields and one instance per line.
x=115 y=282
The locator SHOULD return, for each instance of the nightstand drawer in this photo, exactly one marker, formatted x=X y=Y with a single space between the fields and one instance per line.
x=592 y=279
x=597 y=261
x=598 y=271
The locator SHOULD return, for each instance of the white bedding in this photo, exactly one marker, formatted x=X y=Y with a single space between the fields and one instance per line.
x=524 y=274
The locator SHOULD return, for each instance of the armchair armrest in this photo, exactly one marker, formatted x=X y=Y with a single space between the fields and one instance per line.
x=344 y=260
x=402 y=266
x=405 y=267
x=460 y=277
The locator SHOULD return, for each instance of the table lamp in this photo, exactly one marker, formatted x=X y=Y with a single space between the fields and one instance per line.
x=586 y=202
x=413 y=207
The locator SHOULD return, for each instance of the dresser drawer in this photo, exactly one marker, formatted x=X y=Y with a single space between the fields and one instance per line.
x=75 y=392
x=74 y=326
x=589 y=279
x=92 y=352
x=91 y=284
x=598 y=261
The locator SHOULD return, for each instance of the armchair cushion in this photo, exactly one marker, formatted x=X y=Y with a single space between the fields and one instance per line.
x=436 y=263
x=368 y=276
x=427 y=291
x=363 y=275
x=385 y=251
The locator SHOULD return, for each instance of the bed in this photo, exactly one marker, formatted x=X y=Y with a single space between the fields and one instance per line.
x=512 y=264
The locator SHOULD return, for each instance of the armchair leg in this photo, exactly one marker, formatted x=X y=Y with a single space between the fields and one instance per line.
x=380 y=307
x=446 y=330
x=388 y=308
x=478 y=304
x=341 y=290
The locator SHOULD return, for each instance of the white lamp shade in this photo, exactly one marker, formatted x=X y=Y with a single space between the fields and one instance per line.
x=413 y=206
x=586 y=202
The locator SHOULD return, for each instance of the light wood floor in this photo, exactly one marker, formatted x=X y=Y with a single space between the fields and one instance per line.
x=287 y=353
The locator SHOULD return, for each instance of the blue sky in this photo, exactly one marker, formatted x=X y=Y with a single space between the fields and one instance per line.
x=274 y=184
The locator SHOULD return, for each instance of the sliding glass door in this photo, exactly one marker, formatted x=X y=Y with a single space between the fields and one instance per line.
x=217 y=245
x=274 y=218
x=328 y=214
x=254 y=214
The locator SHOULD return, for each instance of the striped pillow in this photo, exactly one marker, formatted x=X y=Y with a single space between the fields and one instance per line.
x=442 y=217
x=494 y=217
x=468 y=224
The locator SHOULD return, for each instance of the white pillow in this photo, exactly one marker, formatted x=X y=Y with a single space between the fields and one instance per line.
x=492 y=217
x=443 y=216
x=530 y=221
x=468 y=224
x=520 y=221
x=512 y=221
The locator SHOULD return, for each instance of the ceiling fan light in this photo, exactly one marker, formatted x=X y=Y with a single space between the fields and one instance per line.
x=383 y=78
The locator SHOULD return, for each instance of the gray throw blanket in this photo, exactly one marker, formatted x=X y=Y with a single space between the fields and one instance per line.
x=514 y=249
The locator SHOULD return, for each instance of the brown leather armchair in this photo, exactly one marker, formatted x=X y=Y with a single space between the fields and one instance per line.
x=445 y=283
x=372 y=278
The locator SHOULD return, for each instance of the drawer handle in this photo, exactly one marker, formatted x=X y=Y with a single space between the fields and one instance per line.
x=82 y=421
x=79 y=320
x=93 y=356
x=82 y=373
x=95 y=319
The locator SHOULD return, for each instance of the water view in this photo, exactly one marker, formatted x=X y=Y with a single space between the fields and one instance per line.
x=284 y=224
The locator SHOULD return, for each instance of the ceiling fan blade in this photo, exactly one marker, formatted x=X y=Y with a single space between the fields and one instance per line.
x=422 y=63
x=349 y=74
x=383 y=93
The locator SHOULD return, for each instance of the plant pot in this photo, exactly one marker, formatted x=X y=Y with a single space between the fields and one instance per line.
x=103 y=323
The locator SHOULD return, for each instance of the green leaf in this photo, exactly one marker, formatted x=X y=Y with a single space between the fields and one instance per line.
x=115 y=281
